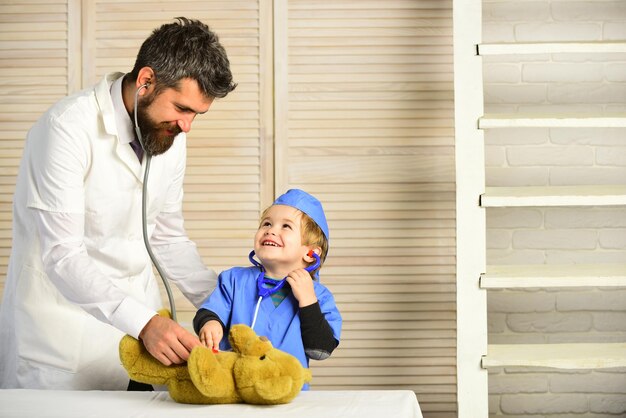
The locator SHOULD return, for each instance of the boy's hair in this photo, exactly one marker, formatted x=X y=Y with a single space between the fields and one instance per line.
x=186 y=49
x=311 y=234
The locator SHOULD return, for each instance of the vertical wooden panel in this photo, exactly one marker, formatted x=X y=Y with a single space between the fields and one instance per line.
x=370 y=132
x=227 y=164
x=281 y=95
x=266 y=102
x=74 y=46
x=33 y=75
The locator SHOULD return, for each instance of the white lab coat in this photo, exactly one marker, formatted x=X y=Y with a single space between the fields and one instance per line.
x=74 y=163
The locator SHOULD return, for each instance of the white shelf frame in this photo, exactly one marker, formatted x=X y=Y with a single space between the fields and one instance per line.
x=551 y=48
x=574 y=356
x=553 y=276
x=467 y=28
x=521 y=120
x=472 y=385
x=540 y=196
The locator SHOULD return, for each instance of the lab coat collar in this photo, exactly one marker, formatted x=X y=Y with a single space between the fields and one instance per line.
x=109 y=118
x=123 y=122
x=103 y=95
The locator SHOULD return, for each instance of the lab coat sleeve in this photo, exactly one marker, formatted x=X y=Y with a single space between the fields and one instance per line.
x=179 y=258
x=75 y=275
x=175 y=252
x=56 y=170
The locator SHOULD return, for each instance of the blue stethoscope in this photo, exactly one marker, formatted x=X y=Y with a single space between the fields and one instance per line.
x=266 y=286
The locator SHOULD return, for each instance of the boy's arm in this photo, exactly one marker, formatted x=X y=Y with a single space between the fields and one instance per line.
x=202 y=317
x=317 y=335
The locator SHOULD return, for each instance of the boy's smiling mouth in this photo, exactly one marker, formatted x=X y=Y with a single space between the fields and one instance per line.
x=269 y=243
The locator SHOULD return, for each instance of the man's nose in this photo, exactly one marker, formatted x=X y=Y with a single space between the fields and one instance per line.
x=184 y=123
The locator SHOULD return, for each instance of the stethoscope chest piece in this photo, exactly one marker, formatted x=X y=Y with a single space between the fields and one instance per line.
x=266 y=287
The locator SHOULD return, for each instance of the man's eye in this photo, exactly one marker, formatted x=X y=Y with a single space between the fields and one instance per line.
x=184 y=109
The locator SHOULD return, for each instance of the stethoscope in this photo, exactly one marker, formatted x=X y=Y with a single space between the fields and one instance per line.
x=262 y=281
x=144 y=216
x=266 y=287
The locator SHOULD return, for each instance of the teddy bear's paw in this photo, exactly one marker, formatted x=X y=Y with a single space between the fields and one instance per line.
x=140 y=364
x=307 y=376
x=271 y=391
x=130 y=350
x=210 y=378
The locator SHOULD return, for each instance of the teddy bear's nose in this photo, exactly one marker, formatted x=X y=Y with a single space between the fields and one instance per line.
x=263 y=338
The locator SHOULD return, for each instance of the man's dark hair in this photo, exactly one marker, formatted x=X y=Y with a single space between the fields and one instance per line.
x=186 y=49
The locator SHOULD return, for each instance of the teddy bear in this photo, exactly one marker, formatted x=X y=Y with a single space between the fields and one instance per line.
x=254 y=372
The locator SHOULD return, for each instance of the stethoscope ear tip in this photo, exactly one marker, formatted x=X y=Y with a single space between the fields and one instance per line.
x=317 y=263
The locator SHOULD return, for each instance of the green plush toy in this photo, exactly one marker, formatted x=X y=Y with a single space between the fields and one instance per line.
x=255 y=372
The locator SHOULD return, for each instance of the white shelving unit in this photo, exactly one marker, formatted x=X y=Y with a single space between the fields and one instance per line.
x=616 y=120
x=553 y=196
x=474 y=276
x=553 y=276
x=560 y=356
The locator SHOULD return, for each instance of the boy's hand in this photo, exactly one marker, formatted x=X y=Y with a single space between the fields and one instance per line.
x=211 y=334
x=302 y=286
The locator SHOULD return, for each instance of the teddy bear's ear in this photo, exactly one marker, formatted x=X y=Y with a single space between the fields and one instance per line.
x=245 y=341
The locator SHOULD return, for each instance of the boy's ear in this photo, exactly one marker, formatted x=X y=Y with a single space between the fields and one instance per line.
x=308 y=257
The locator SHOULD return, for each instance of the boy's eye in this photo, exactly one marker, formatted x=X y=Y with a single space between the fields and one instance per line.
x=287 y=226
x=266 y=223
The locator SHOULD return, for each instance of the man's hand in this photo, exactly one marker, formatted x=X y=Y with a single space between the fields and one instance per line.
x=302 y=287
x=167 y=341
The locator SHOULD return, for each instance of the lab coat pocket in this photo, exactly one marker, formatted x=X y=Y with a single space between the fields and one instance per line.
x=49 y=328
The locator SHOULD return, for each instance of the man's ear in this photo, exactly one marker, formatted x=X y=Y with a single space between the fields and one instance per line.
x=145 y=77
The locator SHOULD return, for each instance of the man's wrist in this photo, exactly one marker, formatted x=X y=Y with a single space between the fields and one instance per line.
x=143 y=330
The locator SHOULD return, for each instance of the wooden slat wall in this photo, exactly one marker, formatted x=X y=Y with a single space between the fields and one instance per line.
x=227 y=178
x=34 y=57
x=364 y=117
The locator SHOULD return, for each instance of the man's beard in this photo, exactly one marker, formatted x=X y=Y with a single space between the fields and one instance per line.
x=155 y=141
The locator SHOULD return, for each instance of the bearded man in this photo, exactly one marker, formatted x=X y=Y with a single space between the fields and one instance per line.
x=79 y=275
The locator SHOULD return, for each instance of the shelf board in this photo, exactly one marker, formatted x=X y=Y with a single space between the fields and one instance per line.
x=523 y=120
x=551 y=48
x=550 y=275
x=554 y=196
x=561 y=356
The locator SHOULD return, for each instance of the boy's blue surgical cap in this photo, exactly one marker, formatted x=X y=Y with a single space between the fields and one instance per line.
x=303 y=201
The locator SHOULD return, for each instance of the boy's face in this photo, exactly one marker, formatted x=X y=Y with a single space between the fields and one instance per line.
x=278 y=241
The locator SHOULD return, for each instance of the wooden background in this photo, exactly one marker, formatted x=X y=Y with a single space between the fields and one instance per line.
x=351 y=100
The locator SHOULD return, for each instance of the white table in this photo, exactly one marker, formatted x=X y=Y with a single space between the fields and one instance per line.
x=27 y=403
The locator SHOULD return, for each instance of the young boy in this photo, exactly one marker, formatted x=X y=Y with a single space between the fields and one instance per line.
x=300 y=316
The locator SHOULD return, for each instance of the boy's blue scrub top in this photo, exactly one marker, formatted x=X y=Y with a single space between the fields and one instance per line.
x=234 y=301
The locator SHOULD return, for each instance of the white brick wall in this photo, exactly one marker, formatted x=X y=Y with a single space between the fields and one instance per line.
x=536 y=157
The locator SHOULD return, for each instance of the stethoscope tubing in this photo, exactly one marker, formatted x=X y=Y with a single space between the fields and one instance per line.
x=144 y=213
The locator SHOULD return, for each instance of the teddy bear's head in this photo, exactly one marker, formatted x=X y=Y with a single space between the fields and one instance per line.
x=264 y=374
